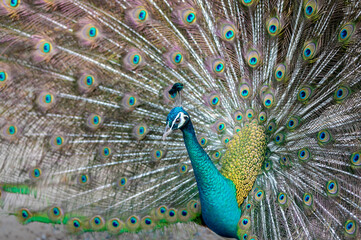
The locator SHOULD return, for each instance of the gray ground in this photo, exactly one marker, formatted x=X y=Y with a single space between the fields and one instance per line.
x=10 y=229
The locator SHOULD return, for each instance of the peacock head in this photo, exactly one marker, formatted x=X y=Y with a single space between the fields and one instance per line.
x=176 y=119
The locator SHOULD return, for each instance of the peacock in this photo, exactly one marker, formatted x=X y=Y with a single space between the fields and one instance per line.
x=130 y=116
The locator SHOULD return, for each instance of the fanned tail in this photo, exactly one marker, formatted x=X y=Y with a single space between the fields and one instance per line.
x=85 y=88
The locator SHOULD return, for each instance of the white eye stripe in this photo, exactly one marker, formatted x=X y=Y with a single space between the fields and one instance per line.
x=182 y=118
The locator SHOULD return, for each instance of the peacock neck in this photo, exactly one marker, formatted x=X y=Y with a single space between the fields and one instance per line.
x=217 y=194
x=204 y=169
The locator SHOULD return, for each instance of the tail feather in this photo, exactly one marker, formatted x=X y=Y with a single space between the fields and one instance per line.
x=85 y=92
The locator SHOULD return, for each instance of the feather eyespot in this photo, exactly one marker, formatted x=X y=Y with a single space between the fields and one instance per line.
x=203 y=141
x=249 y=3
x=268 y=100
x=183 y=215
x=3 y=76
x=304 y=154
x=45 y=47
x=280 y=72
x=259 y=195
x=114 y=225
x=194 y=207
x=346 y=32
x=267 y=165
x=133 y=60
x=10 y=132
x=237 y=129
x=94 y=121
x=83 y=179
x=342 y=93
x=46 y=100
x=218 y=66
x=35 y=173
x=161 y=211
x=136 y=59
x=271 y=127
x=24 y=214
x=245 y=90
x=216 y=155
x=104 y=152
x=122 y=182
x=282 y=198
x=130 y=101
x=89 y=32
x=268 y=153
x=293 y=123
x=93 y=32
x=244 y=223
x=157 y=154
x=273 y=26
x=355 y=159
x=140 y=14
x=310 y=9
x=262 y=117
x=332 y=188
x=225 y=140
x=147 y=222
x=87 y=83
x=228 y=32
x=248 y=206
x=324 y=137
x=213 y=100
x=12 y=4
x=96 y=223
x=74 y=225
x=55 y=213
x=177 y=58
x=250 y=114
x=220 y=126
x=307 y=199
x=350 y=227
x=253 y=58
x=304 y=94
x=183 y=168
x=171 y=215
x=238 y=116
x=189 y=16
x=57 y=142
x=44 y=50
x=309 y=50
x=285 y=161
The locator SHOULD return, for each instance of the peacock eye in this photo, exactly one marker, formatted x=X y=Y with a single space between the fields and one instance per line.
x=177 y=120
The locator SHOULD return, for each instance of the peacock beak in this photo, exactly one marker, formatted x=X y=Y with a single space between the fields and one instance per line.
x=167 y=131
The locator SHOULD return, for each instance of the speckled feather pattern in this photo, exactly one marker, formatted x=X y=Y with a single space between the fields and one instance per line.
x=244 y=158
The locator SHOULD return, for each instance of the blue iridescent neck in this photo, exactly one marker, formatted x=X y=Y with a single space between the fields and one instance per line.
x=204 y=169
x=217 y=194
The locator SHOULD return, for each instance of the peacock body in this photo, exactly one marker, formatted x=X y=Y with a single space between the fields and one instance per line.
x=266 y=95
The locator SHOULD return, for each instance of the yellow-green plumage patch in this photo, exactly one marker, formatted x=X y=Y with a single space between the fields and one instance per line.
x=244 y=157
